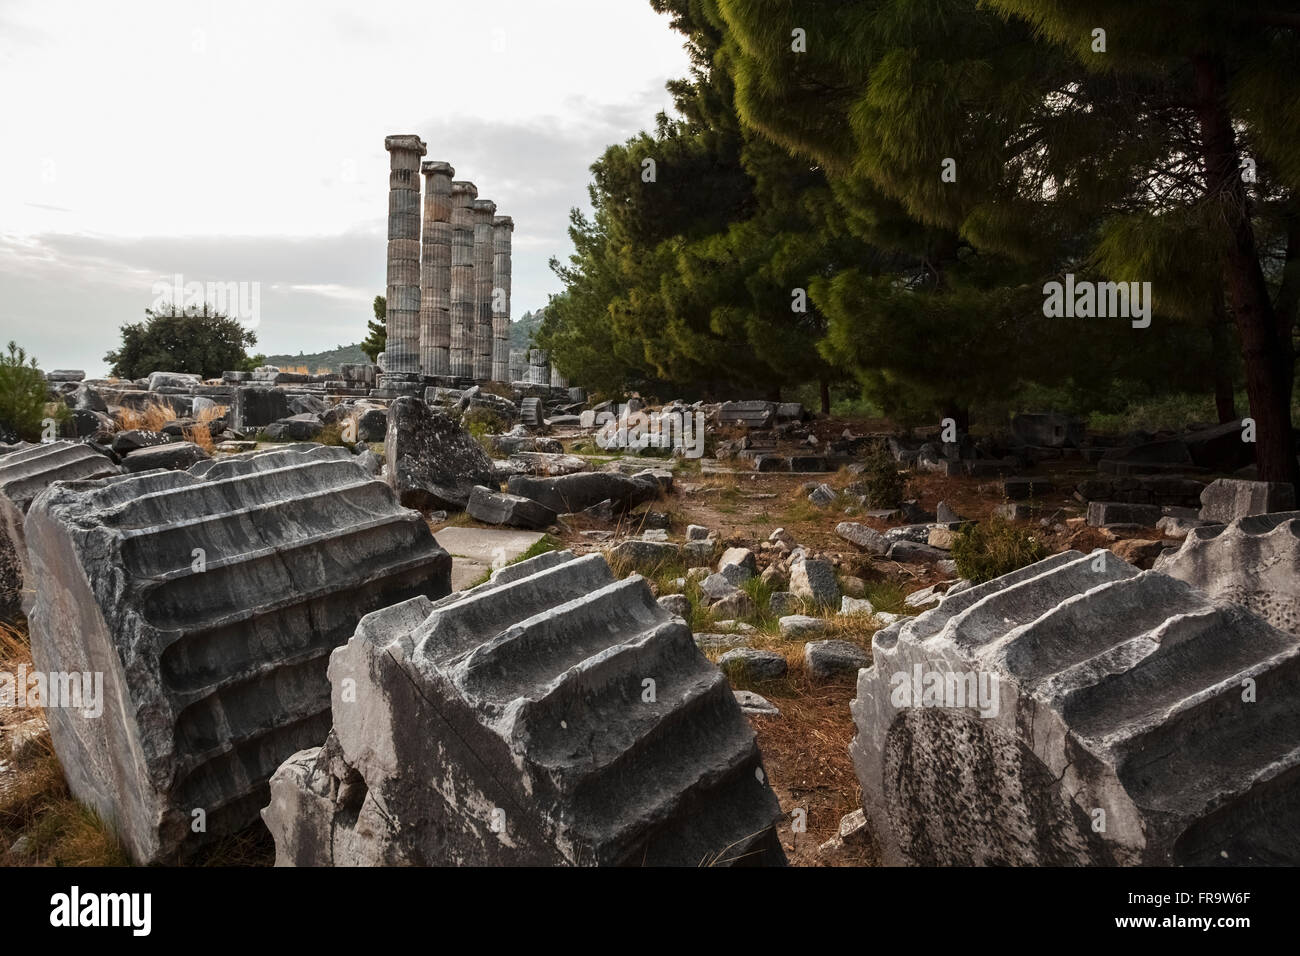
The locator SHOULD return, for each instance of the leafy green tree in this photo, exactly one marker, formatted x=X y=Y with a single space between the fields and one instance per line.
x=23 y=394
x=1064 y=151
x=195 y=340
x=376 y=339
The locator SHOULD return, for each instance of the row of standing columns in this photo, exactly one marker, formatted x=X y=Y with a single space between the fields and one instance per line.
x=448 y=273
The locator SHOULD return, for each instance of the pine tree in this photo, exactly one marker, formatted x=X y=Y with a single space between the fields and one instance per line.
x=376 y=339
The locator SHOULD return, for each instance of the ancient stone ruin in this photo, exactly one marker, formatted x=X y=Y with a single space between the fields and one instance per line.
x=24 y=474
x=1254 y=562
x=1079 y=711
x=449 y=270
x=554 y=715
x=210 y=600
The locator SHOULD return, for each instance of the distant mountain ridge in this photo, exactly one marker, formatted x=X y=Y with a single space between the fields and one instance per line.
x=521 y=333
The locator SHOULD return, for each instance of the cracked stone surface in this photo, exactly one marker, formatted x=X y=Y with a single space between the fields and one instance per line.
x=210 y=601
x=510 y=724
x=1118 y=731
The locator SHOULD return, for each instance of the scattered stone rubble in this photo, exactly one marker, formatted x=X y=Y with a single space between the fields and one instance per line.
x=512 y=724
x=209 y=600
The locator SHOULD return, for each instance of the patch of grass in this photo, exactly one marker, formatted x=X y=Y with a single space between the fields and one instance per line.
x=993 y=548
x=332 y=435
x=151 y=418
x=887 y=596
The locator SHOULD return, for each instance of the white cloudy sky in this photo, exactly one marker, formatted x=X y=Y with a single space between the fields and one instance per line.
x=234 y=141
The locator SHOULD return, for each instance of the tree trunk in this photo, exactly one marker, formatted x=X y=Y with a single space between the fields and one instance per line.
x=826 y=397
x=1265 y=337
x=1225 y=402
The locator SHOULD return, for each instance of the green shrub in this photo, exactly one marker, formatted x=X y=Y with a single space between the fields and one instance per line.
x=882 y=483
x=22 y=395
x=993 y=548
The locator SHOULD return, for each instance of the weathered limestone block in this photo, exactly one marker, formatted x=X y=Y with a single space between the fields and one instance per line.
x=567 y=494
x=24 y=474
x=511 y=724
x=1079 y=711
x=1254 y=562
x=750 y=414
x=209 y=601
x=1227 y=499
x=176 y=455
x=492 y=507
x=432 y=462
x=256 y=406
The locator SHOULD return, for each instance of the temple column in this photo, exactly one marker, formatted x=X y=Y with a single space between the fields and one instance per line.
x=402 y=353
x=502 y=227
x=484 y=210
x=461 y=354
x=435 y=270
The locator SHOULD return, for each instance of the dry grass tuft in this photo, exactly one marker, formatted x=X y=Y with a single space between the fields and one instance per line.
x=201 y=433
x=34 y=800
x=151 y=418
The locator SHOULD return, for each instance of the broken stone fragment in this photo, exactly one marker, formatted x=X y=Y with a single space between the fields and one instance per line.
x=568 y=494
x=640 y=555
x=209 y=600
x=801 y=625
x=551 y=716
x=733 y=605
x=752 y=664
x=826 y=659
x=1253 y=562
x=24 y=474
x=432 y=462
x=1006 y=727
x=852 y=605
x=1227 y=499
x=815 y=582
x=751 y=703
x=742 y=559
x=493 y=507
x=175 y=456
x=868 y=539
x=678 y=604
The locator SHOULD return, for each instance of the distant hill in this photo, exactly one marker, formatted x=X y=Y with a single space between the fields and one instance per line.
x=320 y=361
x=521 y=331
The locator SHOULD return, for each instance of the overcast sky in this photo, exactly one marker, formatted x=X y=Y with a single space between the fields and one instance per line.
x=230 y=141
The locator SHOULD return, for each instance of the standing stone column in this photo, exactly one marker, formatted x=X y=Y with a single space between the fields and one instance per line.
x=502 y=227
x=484 y=210
x=539 y=366
x=558 y=380
x=461 y=353
x=435 y=270
x=519 y=365
x=403 y=321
